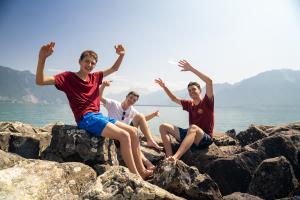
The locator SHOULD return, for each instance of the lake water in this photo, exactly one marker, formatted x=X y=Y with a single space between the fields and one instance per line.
x=238 y=118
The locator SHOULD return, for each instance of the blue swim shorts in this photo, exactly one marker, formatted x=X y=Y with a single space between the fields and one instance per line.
x=204 y=143
x=94 y=123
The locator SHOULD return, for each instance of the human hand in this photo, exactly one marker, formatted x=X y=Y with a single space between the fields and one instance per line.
x=185 y=65
x=160 y=82
x=156 y=113
x=46 y=50
x=119 y=49
x=106 y=83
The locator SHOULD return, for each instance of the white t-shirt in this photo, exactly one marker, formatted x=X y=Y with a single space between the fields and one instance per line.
x=115 y=111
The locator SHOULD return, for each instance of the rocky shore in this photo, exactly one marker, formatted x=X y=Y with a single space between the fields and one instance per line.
x=62 y=162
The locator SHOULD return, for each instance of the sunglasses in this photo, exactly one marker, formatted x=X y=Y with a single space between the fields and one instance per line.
x=123 y=115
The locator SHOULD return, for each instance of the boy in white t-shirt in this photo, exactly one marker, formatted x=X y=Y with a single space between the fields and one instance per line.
x=125 y=112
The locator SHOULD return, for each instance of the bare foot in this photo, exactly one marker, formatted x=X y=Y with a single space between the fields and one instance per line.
x=153 y=144
x=171 y=158
x=149 y=165
x=147 y=174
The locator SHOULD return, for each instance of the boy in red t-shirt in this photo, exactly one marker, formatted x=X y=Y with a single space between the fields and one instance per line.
x=201 y=116
x=82 y=90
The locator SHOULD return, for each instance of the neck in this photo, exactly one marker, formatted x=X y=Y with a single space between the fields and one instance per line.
x=197 y=100
x=124 y=105
x=82 y=75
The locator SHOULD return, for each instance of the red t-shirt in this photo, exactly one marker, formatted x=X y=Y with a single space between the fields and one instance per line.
x=83 y=95
x=201 y=115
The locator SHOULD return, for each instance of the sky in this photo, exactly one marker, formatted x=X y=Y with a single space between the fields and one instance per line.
x=228 y=40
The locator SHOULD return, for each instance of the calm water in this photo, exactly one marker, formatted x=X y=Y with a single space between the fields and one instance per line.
x=226 y=118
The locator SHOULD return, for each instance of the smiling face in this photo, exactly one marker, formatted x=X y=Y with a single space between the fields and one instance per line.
x=194 y=90
x=87 y=61
x=131 y=98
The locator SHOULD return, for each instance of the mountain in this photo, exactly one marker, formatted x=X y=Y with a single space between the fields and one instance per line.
x=19 y=86
x=276 y=88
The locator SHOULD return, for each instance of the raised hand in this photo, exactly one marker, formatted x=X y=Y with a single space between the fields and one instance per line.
x=119 y=49
x=160 y=82
x=46 y=50
x=106 y=83
x=156 y=113
x=185 y=65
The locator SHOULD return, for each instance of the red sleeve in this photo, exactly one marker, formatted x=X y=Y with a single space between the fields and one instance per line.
x=60 y=80
x=185 y=104
x=99 y=77
x=209 y=102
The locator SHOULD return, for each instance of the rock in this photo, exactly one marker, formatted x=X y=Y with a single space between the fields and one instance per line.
x=279 y=145
x=231 y=133
x=241 y=196
x=153 y=155
x=202 y=158
x=185 y=181
x=23 y=139
x=231 y=150
x=8 y=160
x=252 y=134
x=69 y=144
x=234 y=173
x=36 y=179
x=274 y=178
x=118 y=183
x=221 y=139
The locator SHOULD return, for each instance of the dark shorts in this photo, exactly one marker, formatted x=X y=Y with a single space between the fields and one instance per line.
x=204 y=143
x=94 y=123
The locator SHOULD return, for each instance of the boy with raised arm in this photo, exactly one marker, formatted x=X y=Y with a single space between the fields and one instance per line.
x=82 y=90
x=201 y=116
x=125 y=112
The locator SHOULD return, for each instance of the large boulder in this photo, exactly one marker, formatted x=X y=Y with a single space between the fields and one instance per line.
x=274 y=178
x=185 y=181
x=8 y=160
x=252 y=134
x=118 y=183
x=234 y=173
x=37 y=179
x=222 y=139
x=70 y=144
x=241 y=196
x=23 y=139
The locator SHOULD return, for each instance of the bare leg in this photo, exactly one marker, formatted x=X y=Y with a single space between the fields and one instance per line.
x=136 y=149
x=139 y=121
x=165 y=130
x=147 y=162
x=194 y=135
x=113 y=132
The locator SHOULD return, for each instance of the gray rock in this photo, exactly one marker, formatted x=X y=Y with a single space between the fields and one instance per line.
x=185 y=181
x=118 y=183
x=274 y=178
x=36 y=179
x=241 y=196
x=221 y=139
x=8 y=160
x=252 y=134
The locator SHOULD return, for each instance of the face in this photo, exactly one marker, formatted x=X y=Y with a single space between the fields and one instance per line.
x=87 y=64
x=194 y=91
x=131 y=99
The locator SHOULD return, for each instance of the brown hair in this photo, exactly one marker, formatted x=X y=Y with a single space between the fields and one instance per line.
x=133 y=93
x=88 y=53
x=195 y=84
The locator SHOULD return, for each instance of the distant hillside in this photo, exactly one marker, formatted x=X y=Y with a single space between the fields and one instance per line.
x=20 y=87
x=276 y=87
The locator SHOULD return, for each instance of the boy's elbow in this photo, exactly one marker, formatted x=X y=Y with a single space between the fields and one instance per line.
x=209 y=82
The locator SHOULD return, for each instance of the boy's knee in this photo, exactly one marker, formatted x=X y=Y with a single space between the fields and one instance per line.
x=163 y=128
x=139 y=116
x=124 y=136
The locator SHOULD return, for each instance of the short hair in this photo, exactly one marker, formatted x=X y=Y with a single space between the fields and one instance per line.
x=133 y=93
x=195 y=84
x=88 y=53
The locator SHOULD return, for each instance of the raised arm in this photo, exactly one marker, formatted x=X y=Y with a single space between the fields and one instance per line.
x=209 y=83
x=40 y=77
x=121 y=52
x=101 y=90
x=152 y=115
x=167 y=91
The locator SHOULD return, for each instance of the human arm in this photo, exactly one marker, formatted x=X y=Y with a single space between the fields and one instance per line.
x=167 y=91
x=104 y=84
x=40 y=77
x=121 y=52
x=209 y=83
x=152 y=115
